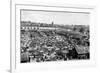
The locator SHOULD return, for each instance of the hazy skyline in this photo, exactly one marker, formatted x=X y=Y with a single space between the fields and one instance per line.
x=56 y=17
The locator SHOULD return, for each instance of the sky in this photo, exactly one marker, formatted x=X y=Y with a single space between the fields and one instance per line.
x=56 y=17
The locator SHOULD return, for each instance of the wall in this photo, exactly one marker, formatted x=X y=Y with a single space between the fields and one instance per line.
x=5 y=36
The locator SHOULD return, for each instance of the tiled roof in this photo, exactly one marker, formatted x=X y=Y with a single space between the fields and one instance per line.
x=82 y=49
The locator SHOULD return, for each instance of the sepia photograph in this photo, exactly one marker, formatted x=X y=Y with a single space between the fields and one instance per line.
x=47 y=36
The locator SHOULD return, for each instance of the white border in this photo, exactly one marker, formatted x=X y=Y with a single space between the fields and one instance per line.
x=15 y=39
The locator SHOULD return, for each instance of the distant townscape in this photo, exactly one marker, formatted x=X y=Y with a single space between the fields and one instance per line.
x=42 y=42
